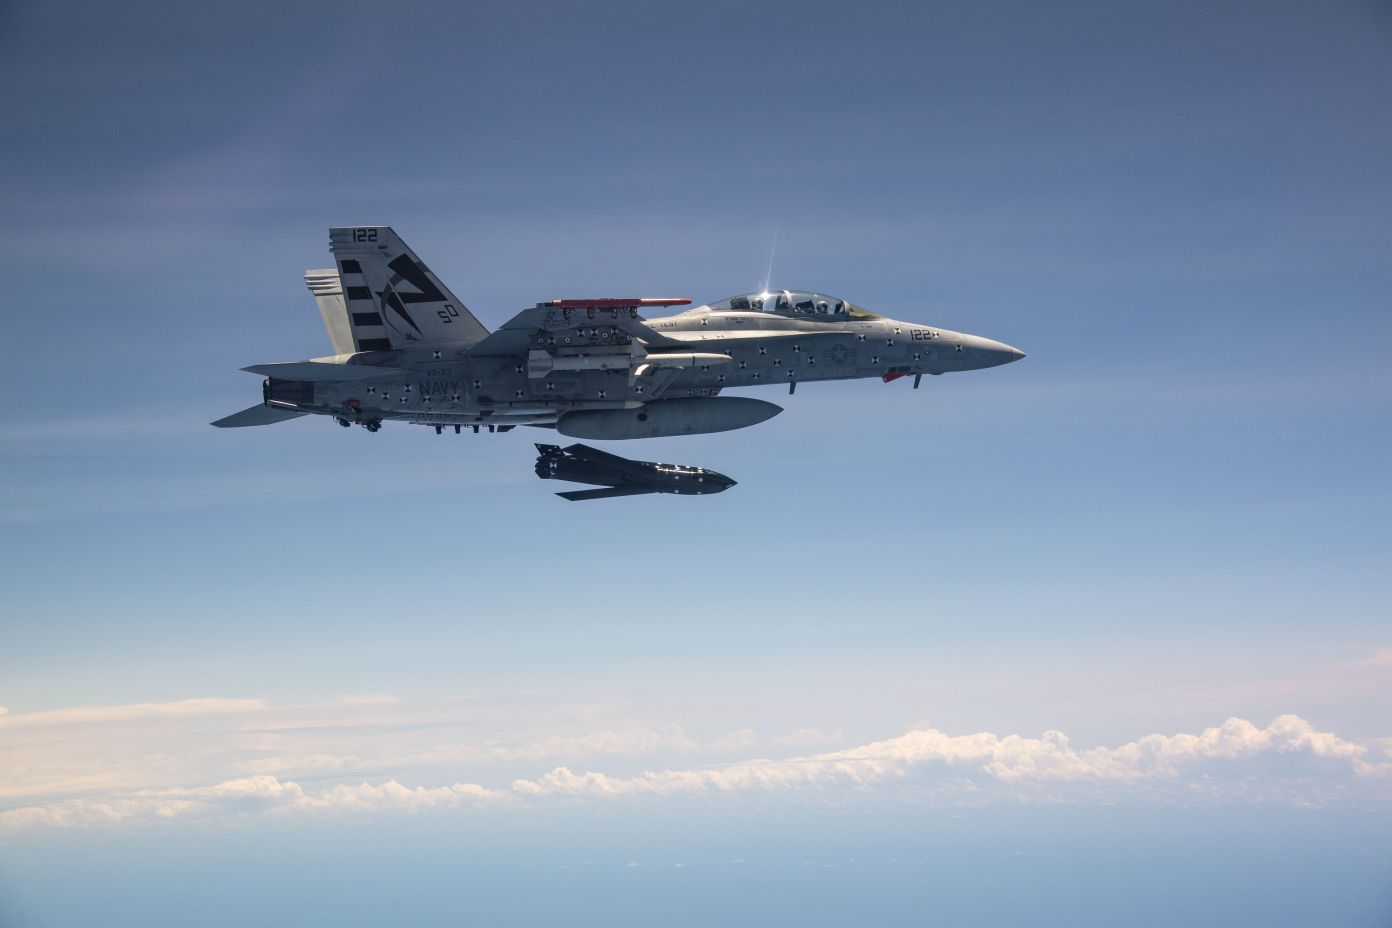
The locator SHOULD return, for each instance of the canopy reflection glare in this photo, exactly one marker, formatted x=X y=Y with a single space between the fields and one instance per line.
x=793 y=303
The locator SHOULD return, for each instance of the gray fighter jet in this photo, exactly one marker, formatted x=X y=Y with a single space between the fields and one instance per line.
x=407 y=350
x=622 y=477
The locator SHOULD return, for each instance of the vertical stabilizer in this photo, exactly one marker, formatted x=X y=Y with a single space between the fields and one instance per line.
x=328 y=293
x=382 y=277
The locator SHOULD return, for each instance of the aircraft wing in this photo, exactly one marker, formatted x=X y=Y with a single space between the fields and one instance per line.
x=323 y=371
x=584 y=327
x=691 y=338
x=513 y=337
x=576 y=496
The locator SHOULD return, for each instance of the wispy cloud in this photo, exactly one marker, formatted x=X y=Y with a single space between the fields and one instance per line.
x=370 y=699
x=86 y=715
x=114 y=750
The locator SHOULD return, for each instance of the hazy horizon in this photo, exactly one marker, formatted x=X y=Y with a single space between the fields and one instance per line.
x=1097 y=637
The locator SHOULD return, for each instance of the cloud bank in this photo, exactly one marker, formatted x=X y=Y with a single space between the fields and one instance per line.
x=1287 y=760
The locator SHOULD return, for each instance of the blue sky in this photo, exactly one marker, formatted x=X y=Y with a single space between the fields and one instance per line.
x=1171 y=514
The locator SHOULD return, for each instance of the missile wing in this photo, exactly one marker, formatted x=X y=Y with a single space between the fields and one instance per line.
x=576 y=495
x=620 y=476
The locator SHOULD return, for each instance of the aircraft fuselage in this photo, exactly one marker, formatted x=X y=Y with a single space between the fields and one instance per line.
x=407 y=349
x=445 y=387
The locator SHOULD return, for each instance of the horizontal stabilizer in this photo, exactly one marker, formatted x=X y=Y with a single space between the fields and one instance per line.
x=259 y=414
x=320 y=371
x=605 y=493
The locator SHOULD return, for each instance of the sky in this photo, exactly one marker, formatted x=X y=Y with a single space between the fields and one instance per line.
x=1099 y=637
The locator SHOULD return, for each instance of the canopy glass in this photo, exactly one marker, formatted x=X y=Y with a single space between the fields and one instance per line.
x=793 y=303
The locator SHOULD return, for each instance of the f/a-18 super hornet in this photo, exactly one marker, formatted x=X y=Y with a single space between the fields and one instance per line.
x=622 y=477
x=407 y=350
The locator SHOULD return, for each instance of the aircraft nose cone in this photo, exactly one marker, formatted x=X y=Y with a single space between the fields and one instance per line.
x=989 y=353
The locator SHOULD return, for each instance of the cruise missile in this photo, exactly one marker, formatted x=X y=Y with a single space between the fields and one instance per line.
x=622 y=477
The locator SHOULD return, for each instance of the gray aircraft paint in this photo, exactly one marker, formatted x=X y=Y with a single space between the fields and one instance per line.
x=436 y=365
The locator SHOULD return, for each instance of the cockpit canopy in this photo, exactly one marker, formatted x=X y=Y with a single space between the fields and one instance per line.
x=793 y=303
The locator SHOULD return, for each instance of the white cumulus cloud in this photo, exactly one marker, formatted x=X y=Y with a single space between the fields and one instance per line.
x=974 y=761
